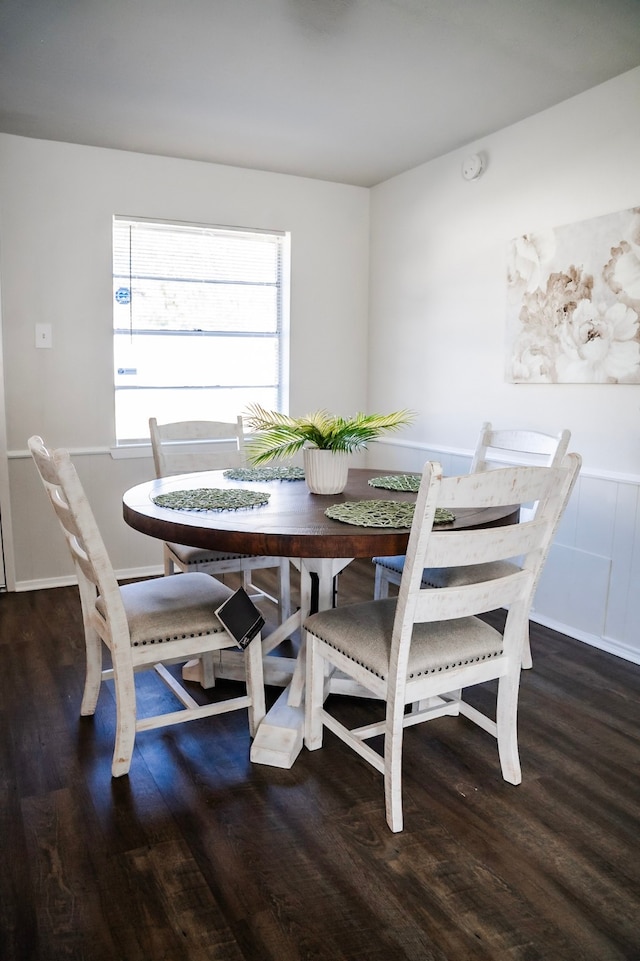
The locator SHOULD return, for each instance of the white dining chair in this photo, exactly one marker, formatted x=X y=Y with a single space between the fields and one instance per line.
x=417 y=652
x=494 y=448
x=143 y=625
x=183 y=447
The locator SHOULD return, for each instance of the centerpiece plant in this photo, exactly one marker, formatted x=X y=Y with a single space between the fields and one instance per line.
x=280 y=436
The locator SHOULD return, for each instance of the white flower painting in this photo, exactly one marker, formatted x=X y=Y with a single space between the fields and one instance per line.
x=573 y=314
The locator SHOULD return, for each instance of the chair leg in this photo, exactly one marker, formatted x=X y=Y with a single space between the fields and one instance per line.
x=527 y=661
x=284 y=590
x=507 y=726
x=125 y=717
x=393 y=767
x=93 y=650
x=255 y=684
x=169 y=567
x=93 y=676
x=208 y=671
x=314 y=695
x=381 y=583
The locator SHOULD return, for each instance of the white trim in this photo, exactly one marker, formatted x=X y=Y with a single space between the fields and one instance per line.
x=117 y=453
x=74 y=451
x=125 y=451
x=69 y=580
x=597 y=473
x=7 y=560
x=606 y=644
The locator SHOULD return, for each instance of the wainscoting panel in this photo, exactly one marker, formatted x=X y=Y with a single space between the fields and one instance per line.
x=596 y=499
x=573 y=589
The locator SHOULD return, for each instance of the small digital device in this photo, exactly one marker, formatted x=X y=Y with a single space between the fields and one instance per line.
x=240 y=618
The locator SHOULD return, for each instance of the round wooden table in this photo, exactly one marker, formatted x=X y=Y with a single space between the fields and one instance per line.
x=292 y=524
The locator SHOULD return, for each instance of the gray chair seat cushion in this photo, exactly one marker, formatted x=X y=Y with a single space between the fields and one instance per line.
x=451 y=576
x=199 y=555
x=437 y=646
x=166 y=608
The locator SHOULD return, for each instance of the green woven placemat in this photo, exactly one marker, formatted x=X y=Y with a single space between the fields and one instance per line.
x=265 y=473
x=211 y=499
x=380 y=514
x=372 y=513
x=397 y=482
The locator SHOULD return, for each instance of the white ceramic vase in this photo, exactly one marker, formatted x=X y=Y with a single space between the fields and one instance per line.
x=325 y=471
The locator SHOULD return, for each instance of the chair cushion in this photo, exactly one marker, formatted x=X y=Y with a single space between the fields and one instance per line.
x=458 y=576
x=200 y=555
x=450 y=576
x=362 y=632
x=391 y=563
x=167 y=608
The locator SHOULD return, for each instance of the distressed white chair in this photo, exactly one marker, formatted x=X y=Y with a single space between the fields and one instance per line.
x=185 y=446
x=493 y=448
x=144 y=625
x=425 y=646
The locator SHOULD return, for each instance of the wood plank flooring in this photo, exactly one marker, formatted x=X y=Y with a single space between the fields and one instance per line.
x=198 y=854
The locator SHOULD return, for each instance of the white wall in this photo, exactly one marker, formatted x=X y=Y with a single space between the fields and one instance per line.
x=437 y=333
x=438 y=278
x=56 y=206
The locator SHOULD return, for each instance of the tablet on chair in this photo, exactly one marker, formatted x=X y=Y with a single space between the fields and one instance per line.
x=240 y=618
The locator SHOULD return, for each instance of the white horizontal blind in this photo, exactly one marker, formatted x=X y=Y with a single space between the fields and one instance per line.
x=198 y=322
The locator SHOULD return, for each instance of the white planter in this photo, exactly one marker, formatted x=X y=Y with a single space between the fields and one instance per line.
x=325 y=471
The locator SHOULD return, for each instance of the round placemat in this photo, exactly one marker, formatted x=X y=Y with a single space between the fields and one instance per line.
x=380 y=514
x=211 y=499
x=397 y=482
x=265 y=473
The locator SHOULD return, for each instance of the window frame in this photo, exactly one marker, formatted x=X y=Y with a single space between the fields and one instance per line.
x=278 y=335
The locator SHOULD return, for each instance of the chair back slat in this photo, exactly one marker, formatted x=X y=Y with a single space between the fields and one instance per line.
x=182 y=447
x=480 y=546
x=470 y=599
x=496 y=488
x=518 y=446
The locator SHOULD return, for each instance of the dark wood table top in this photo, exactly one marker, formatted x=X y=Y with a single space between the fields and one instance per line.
x=292 y=524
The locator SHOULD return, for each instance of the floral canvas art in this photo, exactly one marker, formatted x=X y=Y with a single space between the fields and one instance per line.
x=573 y=313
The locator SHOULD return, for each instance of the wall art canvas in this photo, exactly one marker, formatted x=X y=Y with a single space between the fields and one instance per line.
x=573 y=303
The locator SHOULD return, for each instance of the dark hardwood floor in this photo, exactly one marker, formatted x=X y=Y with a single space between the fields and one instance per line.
x=198 y=854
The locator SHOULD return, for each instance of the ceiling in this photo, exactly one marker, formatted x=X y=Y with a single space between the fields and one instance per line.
x=352 y=91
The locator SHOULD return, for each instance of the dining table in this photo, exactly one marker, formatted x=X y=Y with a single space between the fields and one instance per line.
x=272 y=512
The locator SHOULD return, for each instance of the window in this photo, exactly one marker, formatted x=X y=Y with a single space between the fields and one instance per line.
x=198 y=322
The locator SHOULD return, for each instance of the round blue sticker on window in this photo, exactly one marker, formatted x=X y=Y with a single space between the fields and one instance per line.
x=123 y=295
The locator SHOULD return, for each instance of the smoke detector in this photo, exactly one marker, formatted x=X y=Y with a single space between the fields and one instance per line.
x=472 y=167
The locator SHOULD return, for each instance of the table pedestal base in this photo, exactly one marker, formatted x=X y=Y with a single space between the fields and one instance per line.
x=278 y=740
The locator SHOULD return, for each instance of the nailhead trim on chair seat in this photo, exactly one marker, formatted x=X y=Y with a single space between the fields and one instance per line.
x=157 y=614
x=199 y=555
x=436 y=647
x=175 y=637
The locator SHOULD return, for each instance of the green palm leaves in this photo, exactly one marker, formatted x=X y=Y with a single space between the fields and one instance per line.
x=278 y=435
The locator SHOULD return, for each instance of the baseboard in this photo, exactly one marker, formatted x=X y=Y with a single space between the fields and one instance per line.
x=607 y=644
x=69 y=580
